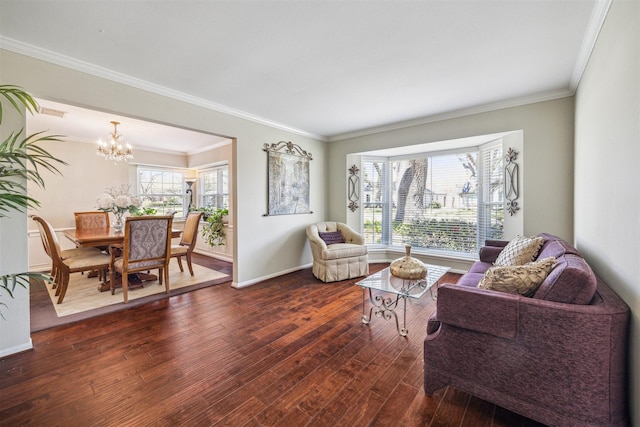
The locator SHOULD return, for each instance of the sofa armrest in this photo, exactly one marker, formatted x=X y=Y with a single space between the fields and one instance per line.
x=514 y=316
x=316 y=240
x=496 y=243
x=491 y=249
x=481 y=310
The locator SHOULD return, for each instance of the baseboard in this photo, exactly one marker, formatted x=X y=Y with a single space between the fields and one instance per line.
x=269 y=276
x=17 y=349
x=226 y=258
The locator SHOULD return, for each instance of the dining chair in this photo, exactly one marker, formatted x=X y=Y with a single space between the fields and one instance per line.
x=69 y=261
x=64 y=253
x=188 y=240
x=146 y=245
x=92 y=219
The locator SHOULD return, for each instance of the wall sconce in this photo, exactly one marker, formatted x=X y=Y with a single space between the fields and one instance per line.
x=354 y=188
x=190 y=182
x=511 y=185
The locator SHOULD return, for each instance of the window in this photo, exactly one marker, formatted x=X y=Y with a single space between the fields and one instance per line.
x=214 y=187
x=447 y=201
x=163 y=190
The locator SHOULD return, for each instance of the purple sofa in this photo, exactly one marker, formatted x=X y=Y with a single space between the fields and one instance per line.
x=559 y=357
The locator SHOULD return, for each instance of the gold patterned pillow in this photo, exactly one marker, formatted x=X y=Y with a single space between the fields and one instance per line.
x=521 y=279
x=519 y=251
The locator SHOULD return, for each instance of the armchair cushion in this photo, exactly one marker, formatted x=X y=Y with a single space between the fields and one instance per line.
x=343 y=250
x=332 y=237
x=519 y=251
x=521 y=279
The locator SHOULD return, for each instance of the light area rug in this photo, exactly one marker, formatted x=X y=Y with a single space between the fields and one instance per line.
x=82 y=293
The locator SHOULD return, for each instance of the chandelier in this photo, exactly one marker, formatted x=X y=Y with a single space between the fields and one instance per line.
x=113 y=149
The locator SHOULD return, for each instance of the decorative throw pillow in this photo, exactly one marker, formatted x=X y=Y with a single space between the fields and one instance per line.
x=331 y=237
x=519 y=251
x=521 y=279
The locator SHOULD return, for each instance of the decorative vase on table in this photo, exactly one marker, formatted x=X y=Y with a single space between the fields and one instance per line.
x=118 y=224
x=407 y=267
x=118 y=201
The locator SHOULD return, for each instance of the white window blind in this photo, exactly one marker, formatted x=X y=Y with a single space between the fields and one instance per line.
x=445 y=201
x=375 y=204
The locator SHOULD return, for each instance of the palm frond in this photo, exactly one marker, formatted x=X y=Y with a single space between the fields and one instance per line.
x=9 y=282
x=21 y=161
x=14 y=93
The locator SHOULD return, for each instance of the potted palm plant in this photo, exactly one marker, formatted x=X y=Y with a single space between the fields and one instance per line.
x=21 y=161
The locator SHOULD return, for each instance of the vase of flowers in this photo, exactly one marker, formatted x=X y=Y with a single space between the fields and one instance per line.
x=118 y=201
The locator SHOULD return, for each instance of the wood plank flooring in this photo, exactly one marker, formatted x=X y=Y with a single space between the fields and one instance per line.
x=289 y=351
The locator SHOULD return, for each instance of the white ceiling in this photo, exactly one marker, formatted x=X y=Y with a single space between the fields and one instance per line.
x=322 y=68
x=84 y=125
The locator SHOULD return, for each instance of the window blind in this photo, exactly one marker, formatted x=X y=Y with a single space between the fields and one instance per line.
x=446 y=201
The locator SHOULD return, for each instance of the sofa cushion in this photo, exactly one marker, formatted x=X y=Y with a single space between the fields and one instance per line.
x=521 y=279
x=479 y=267
x=332 y=237
x=470 y=279
x=343 y=250
x=548 y=238
x=519 y=251
x=571 y=282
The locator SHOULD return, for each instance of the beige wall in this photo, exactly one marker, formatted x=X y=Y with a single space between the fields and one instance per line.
x=87 y=175
x=607 y=198
x=546 y=159
x=263 y=246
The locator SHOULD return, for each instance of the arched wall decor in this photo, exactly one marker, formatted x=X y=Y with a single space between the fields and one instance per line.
x=354 y=188
x=288 y=178
x=511 y=184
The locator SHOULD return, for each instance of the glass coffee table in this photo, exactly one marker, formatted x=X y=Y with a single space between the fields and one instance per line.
x=396 y=289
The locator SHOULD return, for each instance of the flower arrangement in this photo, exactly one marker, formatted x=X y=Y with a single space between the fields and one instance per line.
x=118 y=200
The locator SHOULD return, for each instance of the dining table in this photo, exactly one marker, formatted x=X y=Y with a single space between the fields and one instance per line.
x=104 y=237
x=100 y=236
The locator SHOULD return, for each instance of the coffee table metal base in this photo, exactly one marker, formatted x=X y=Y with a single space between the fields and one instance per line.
x=385 y=308
x=392 y=289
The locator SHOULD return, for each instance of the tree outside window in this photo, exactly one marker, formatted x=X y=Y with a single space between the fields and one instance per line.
x=446 y=201
x=163 y=190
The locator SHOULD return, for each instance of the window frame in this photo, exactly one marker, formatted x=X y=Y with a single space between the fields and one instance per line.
x=182 y=195
x=388 y=199
x=220 y=196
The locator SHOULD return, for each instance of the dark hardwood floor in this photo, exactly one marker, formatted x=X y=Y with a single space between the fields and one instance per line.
x=290 y=351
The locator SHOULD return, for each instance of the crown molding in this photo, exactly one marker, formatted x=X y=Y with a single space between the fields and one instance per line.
x=594 y=27
x=591 y=34
x=85 y=67
x=516 y=102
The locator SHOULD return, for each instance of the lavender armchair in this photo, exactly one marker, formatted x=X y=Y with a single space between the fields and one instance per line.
x=556 y=362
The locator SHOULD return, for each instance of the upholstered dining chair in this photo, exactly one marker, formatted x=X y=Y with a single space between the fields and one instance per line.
x=187 y=241
x=93 y=219
x=339 y=252
x=64 y=253
x=65 y=262
x=146 y=246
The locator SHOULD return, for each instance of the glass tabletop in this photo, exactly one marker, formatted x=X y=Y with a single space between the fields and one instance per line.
x=384 y=281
